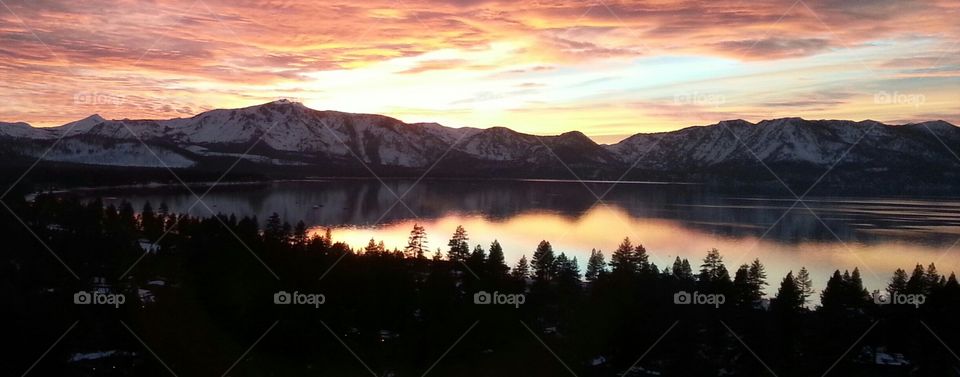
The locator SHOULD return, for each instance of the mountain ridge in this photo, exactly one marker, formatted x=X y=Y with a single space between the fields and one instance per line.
x=288 y=134
x=97 y=118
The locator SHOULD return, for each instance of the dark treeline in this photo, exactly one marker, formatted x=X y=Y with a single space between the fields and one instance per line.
x=205 y=295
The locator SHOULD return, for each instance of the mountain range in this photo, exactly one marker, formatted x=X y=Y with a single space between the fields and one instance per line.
x=288 y=137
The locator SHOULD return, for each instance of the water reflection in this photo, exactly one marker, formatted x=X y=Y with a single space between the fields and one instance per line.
x=877 y=234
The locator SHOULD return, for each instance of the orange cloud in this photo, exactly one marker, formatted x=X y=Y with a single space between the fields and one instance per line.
x=170 y=58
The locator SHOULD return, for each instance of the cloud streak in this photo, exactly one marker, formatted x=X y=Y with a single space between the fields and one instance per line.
x=379 y=56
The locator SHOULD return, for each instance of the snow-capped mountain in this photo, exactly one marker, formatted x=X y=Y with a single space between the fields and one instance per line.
x=796 y=141
x=284 y=133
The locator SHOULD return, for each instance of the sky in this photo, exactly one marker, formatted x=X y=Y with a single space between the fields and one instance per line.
x=607 y=68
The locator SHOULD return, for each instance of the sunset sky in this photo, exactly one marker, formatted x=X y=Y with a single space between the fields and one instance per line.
x=607 y=68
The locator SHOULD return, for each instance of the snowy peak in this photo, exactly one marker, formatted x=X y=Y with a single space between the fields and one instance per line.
x=285 y=102
x=282 y=106
x=82 y=126
x=809 y=143
x=781 y=122
x=287 y=133
x=18 y=130
x=14 y=125
x=738 y=122
x=94 y=118
x=935 y=125
x=575 y=139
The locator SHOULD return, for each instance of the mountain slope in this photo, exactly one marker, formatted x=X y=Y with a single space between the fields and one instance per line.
x=794 y=140
x=284 y=133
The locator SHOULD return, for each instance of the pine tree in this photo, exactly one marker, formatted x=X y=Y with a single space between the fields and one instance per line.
x=858 y=294
x=789 y=297
x=623 y=261
x=273 y=230
x=951 y=285
x=932 y=278
x=153 y=224
x=832 y=295
x=149 y=222
x=712 y=269
x=128 y=218
x=476 y=259
x=375 y=249
x=722 y=278
x=742 y=289
x=247 y=228
x=805 y=283
x=300 y=234
x=677 y=266
x=287 y=232
x=478 y=253
x=596 y=266
x=147 y=210
x=371 y=247
x=495 y=260
x=522 y=270
x=459 y=250
x=844 y=291
x=641 y=260
x=164 y=217
x=748 y=281
x=568 y=272
x=898 y=284
x=567 y=268
x=917 y=284
x=543 y=262
x=328 y=237
x=757 y=277
x=417 y=243
x=681 y=269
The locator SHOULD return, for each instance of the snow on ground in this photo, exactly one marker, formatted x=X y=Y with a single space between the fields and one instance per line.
x=120 y=154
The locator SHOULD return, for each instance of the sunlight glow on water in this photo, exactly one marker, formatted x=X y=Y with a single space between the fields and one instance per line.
x=878 y=235
x=603 y=228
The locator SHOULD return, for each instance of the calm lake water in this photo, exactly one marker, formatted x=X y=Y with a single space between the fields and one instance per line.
x=878 y=234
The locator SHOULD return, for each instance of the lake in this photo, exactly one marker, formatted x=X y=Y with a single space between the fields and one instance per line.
x=877 y=234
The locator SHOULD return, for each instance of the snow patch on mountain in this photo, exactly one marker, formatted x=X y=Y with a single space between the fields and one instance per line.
x=24 y=130
x=284 y=132
x=116 y=154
